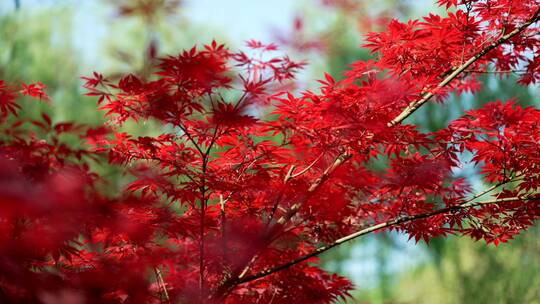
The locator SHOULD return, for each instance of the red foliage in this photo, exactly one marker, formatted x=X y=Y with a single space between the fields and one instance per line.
x=36 y=90
x=7 y=101
x=245 y=183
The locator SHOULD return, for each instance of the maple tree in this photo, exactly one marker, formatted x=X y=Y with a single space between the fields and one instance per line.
x=247 y=183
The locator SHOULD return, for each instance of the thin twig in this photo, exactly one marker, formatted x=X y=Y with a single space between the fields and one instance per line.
x=161 y=284
x=223 y=227
x=307 y=168
x=191 y=139
x=497 y=72
x=289 y=174
x=342 y=158
x=202 y=228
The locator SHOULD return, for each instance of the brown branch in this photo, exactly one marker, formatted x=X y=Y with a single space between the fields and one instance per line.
x=391 y=223
x=307 y=168
x=204 y=201
x=161 y=284
x=201 y=229
x=342 y=158
x=412 y=107
x=223 y=227
x=191 y=139
x=520 y=72
x=290 y=175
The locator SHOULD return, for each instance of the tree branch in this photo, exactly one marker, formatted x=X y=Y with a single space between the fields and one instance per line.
x=162 y=285
x=191 y=139
x=412 y=107
x=342 y=158
x=307 y=168
x=394 y=222
x=201 y=229
x=223 y=227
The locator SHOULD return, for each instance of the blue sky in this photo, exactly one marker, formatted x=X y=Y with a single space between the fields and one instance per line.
x=243 y=19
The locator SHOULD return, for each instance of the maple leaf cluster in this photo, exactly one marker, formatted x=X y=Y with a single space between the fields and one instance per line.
x=246 y=183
